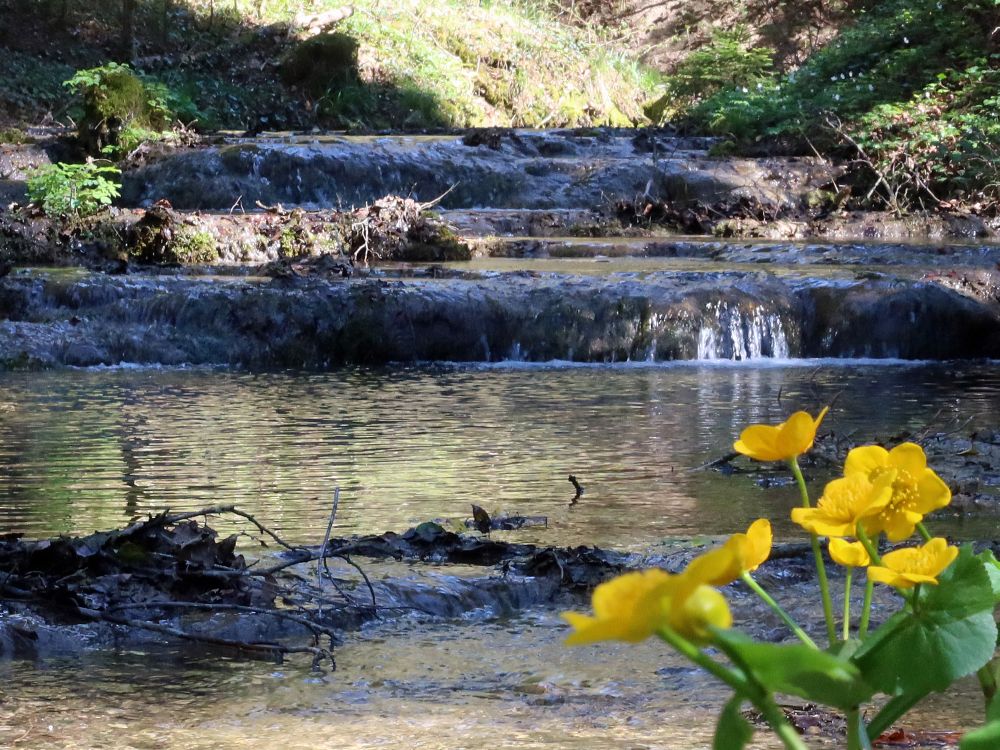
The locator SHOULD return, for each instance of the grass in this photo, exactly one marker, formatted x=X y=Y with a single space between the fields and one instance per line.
x=419 y=64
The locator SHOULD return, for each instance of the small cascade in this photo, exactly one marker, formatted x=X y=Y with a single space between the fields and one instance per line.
x=737 y=334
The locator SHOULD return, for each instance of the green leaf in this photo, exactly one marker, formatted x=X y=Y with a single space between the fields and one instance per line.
x=952 y=634
x=798 y=670
x=733 y=732
x=985 y=738
x=992 y=566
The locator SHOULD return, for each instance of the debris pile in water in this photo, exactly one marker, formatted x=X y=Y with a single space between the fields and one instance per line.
x=141 y=577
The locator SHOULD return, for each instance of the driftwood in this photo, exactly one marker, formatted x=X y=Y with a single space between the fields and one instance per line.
x=317 y=23
x=140 y=576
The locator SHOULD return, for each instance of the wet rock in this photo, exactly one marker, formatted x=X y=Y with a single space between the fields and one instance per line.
x=319 y=322
x=562 y=169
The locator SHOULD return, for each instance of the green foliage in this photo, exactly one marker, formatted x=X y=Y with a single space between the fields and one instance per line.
x=30 y=86
x=194 y=247
x=13 y=136
x=325 y=62
x=119 y=112
x=909 y=91
x=799 y=670
x=726 y=61
x=948 y=633
x=74 y=190
x=732 y=732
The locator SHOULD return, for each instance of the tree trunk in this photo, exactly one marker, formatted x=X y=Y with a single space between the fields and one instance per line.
x=128 y=30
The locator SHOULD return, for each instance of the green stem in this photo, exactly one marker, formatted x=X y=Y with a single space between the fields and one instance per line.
x=763 y=701
x=923 y=531
x=800 y=480
x=785 y=617
x=847 y=603
x=891 y=711
x=868 y=545
x=866 y=609
x=988 y=680
x=824 y=584
x=736 y=680
x=857 y=737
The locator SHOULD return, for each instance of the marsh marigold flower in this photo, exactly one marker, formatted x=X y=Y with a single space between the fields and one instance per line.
x=905 y=568
x=634 y=606
x=785 y=441
x=849 y=554
x=741 y=553
x=628 y=608
x=916 y=489
x=845 y=501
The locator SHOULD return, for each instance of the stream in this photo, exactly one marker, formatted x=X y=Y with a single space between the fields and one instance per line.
x=421 y=389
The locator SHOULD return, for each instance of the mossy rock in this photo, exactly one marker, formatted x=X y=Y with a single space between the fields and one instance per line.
x=321 y=63
x=656 y=110
x=117 y=109
x=159 y=238
x=14 y=136
x=194 y=246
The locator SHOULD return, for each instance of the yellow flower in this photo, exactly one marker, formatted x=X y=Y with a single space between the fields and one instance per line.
x=916 y=489
x=845 y=501
x=849 y=554
x=906 y=567
x=788 y=440
x=704 y=608
x=628 y=608
x=634 y=606
x=741 y=553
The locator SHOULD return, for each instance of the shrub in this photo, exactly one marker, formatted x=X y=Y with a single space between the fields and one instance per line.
x=726 y=61
x=73 y=189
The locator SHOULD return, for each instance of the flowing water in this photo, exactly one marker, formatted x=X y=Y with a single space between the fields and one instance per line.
x=86 y=449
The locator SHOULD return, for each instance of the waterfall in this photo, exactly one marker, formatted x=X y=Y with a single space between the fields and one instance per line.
x=737 y=334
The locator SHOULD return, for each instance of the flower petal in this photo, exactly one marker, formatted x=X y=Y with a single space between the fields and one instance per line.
x=716 y=567
x=865 y=460
x=932 y=492
x=908 y=457
x=799 y=432
x=759 y=441
x=759 y=538
x=849 y=554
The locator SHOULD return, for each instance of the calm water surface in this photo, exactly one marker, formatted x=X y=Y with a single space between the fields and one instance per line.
x=86 y=450
x=83 y=450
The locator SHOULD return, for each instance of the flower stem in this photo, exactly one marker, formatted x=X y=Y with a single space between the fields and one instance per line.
x=891 y=711
x=847 y=603
x=800 y=480
x=763 y=701
x=988 y=680
x=868 y=545
x=785 y=617
x=824 y=584
x=866 y=609
x=857 y=736
x=923 y=531
x=736 y=680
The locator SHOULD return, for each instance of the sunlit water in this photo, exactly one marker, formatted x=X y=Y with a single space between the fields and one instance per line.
x=83 y=450
x=86 y=450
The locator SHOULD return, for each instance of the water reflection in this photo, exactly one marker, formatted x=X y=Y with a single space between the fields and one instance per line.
x=84 y=450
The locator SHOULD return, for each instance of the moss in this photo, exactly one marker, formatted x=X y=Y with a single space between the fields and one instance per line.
x=118 y=110
x=327 y=61
x=14 y=136
x=197 y=246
